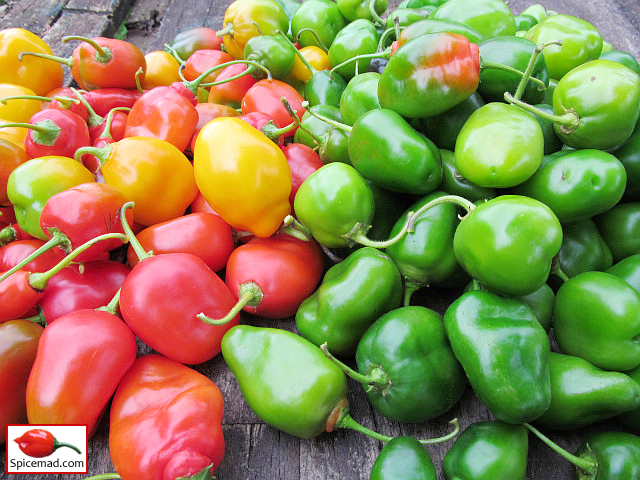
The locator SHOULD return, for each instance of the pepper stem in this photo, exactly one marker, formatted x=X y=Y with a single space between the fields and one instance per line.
x=365 y=56
x=374 y=15
x=463 y=202
x=39 y=280
x=112 y=306
x=527 y=73
x=101 y=153
x=228 y=30
x=359 y=231
x=383 y=37
x=588 y=465
x=46 y=131
x=330 y=121
x=38 y=318
x=256 y=65
x=57 y=239
x=507 y=68
x=57 y=444
x=137 y=76
x=304 y=61
x=94 y=119
x=133 y=241
x=558 y=272
x=567 y=123
x=350 y=372
x=291 y=226
x=410 y=287
x=66 y=61
x=7 y=235
x=250 y=294
x=316 y=37
x=273 y=133
x=103 y=54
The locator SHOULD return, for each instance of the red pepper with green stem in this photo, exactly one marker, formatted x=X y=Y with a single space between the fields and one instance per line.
x=40 y=443
x=101 y=62
x=231 y=86
x=103 y=100
x=16 y=251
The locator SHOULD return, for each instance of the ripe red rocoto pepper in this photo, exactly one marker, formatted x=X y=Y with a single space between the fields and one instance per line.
x=40 y=443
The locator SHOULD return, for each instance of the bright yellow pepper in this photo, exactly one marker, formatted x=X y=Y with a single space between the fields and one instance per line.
x=38 y=74
x=18 y=110
x=162 y=69
x=316 y=57
x=243 y=175
x=13 y=134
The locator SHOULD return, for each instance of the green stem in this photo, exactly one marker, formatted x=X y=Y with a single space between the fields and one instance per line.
x=364 y=56
x=228 y=30
x=304 y=61
x=273 y=133
x=507 y=68
x=112 y=306
x=57 y=444
x=7 y=235
x=315 y=36
x=94 y=119
x=532 y=61
x=358 y=234
x=133 y=241
x=46 y=128
x=101 y=153
x=350 y=372
x=57 y=239
x=463 y=202
x=410 y=287
x=293 y=227
x=103 y=54
x=374 y=15
x=245 y=299
x=174 y=53
x=296 y=119
x=39 y=280
x=106 y=131
x=194 y=84
x=38 y=318
x=64 y=102
x=137 y=76
x=558 y=272
x=568 y=122
x=383 y=37
x=330 y=121
x=589 y=466
x=66 y=61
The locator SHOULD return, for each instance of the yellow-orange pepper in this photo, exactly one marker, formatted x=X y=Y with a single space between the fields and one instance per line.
x=316 y=57
x=11 y=156
x=162 y=69
x=13 y=134
x=18 y=110
x=243 y=175
x=38 y=74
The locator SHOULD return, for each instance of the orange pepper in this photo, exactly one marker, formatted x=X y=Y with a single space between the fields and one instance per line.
x=162 y=70
x=38 y=74
x=243 y=175
x=11 y=156
x=318 y=59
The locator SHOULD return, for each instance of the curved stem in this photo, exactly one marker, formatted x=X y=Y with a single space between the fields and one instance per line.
x=589 y=466
x=383 y=37
x=237 y=308
x=57 y=444
x=350 y=372
x=228 y=30
x=44 y=127
x=316 y=37
x=101 y=153
x=141 y=253
x=364 y=56
x=358 y=235
x=39 y=280
x=293 y=227
x=463 y=202
x=94 y=119
x=374 y=14
x=7 y=235
x=330 y=121
x=197 y=82
x=410 y=287
x=106 y=131
x=558 y=272
x=507 y=68
x=296 y=119
x=273 y=133
x=57 y=239
x=103 y=54
x=137 y=76
x=532 y=61
x=66 y=61
x=304 y=61
x=568 y=122
x=112 y=306
x=174 y=53
x=38 y=318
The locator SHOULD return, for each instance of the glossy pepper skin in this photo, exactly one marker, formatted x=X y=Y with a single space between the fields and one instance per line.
x=192 y=39
x=39 y=443
x=352 y=295
x=517 y=231
x=174 y=433
x=324 y=18
x=81 y=358
x=582 y=394
x=618 y=227
x=286 y=380
x=617 y=455
x=417 y=375
x=429 y=74
x=359 y=96
x=436 y=25
x=243 y=175
x=403 y=457
x=577 y=185
x=490 y=450
x=11 y=156
x=504 y=351
x=583 y=249
x=18 y=346
x=605 y=97
x=355 y=38
x=489 y=17
x=603 y=299
x=385 y=149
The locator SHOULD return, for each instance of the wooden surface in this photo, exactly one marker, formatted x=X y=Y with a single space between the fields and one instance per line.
x=254 y=450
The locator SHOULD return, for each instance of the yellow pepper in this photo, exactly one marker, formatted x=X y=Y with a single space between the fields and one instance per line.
x=18 y=110
x=162 y=69
x=243 y=175
x=318 y=59
x=38 y=74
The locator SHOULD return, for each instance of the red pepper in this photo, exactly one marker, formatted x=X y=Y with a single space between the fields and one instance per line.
x=303 y=161
x=16 y=251
x=104 y=100
x=74 y=106
x=81 y=358
x=231 y=92
x=17 y=296
x=165 y=422
x=40 y=443
x=202 y=60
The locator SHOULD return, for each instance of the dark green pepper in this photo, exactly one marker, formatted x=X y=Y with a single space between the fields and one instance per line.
x=583 y=249
x=582 y=394
x=524 y=22
x=632 y=418
x=489 y=17
x=628 y=269
x=405 y=458
x=455 y=184
x=352 y=295
x=359 y=96
x=629 y=154
x=490 y=450
x=578 y=184
x=620 y=228
x=625 y=58
x=356 y=38
x=504 y=351
x=317 y=22
x=596 y=316
x=313 y=128
x=408 y=370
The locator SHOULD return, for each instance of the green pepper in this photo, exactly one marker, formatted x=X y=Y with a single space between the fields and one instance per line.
x=425 y=255
x=312 y=128
x=551 y=141
x=628 y=269
x=407 y=16
x=514 y=52
x=272 y=52
x=352 y=295
x=455 y=184
x=317 y=22
x=445 y=127
x=359 y=96
x=524 y=22
x=429 y=74
x=489 y=17
x=508 y=243
x=490 y=450
x=192 y=39
x=537 y=11
x=406 y=366
x=606 y=332
x=405 y=458
x=499 y=146
x=629 y=154
x=625 y=58
x=583 y=248
x=362 y=9
x=582 y=394
x=578 y=184
x=619 y=227
x=356 y=38
x=420 y=3
x=632 y=418
x=324 y=87
x=581 y=42
x=437 y=25
x=504 y=352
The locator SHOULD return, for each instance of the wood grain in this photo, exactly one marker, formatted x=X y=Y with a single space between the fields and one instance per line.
x=254 y=450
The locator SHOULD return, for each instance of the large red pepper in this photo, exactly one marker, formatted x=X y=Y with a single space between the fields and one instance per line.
x=176 y=432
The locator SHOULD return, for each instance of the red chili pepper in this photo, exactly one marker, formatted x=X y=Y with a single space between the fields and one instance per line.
x=40 y=443
x=202 y=60
x=81 y=358
x=174 y=433
x=303 y=161
x=204 y=235
x=272 y=276
x=67 y=93
x=259 y=121
x=103 y=100
x=15 y=252
x=54 y=132
x=231 y=92
x=17 y=296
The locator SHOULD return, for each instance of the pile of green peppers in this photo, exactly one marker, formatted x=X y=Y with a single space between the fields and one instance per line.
x=499 y=154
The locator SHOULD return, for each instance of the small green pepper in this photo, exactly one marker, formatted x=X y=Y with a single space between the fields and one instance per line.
x=489 y=17
x=628 y=269
x=625 y=58
x=405 y=458
x=620 y=228
x=317 y=22
x=356 y=38
x=362 y=9
x=455 y=184
x=524 y=22
x=359 y=96
x=490 y=450
x=407 y=16
x=312 y=128
x=582 y=394
x=583 y=248
x=272 y=52
x=504 y=352
x=352 y=295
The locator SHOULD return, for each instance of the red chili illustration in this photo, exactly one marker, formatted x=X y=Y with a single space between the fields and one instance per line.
x=40 y=443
